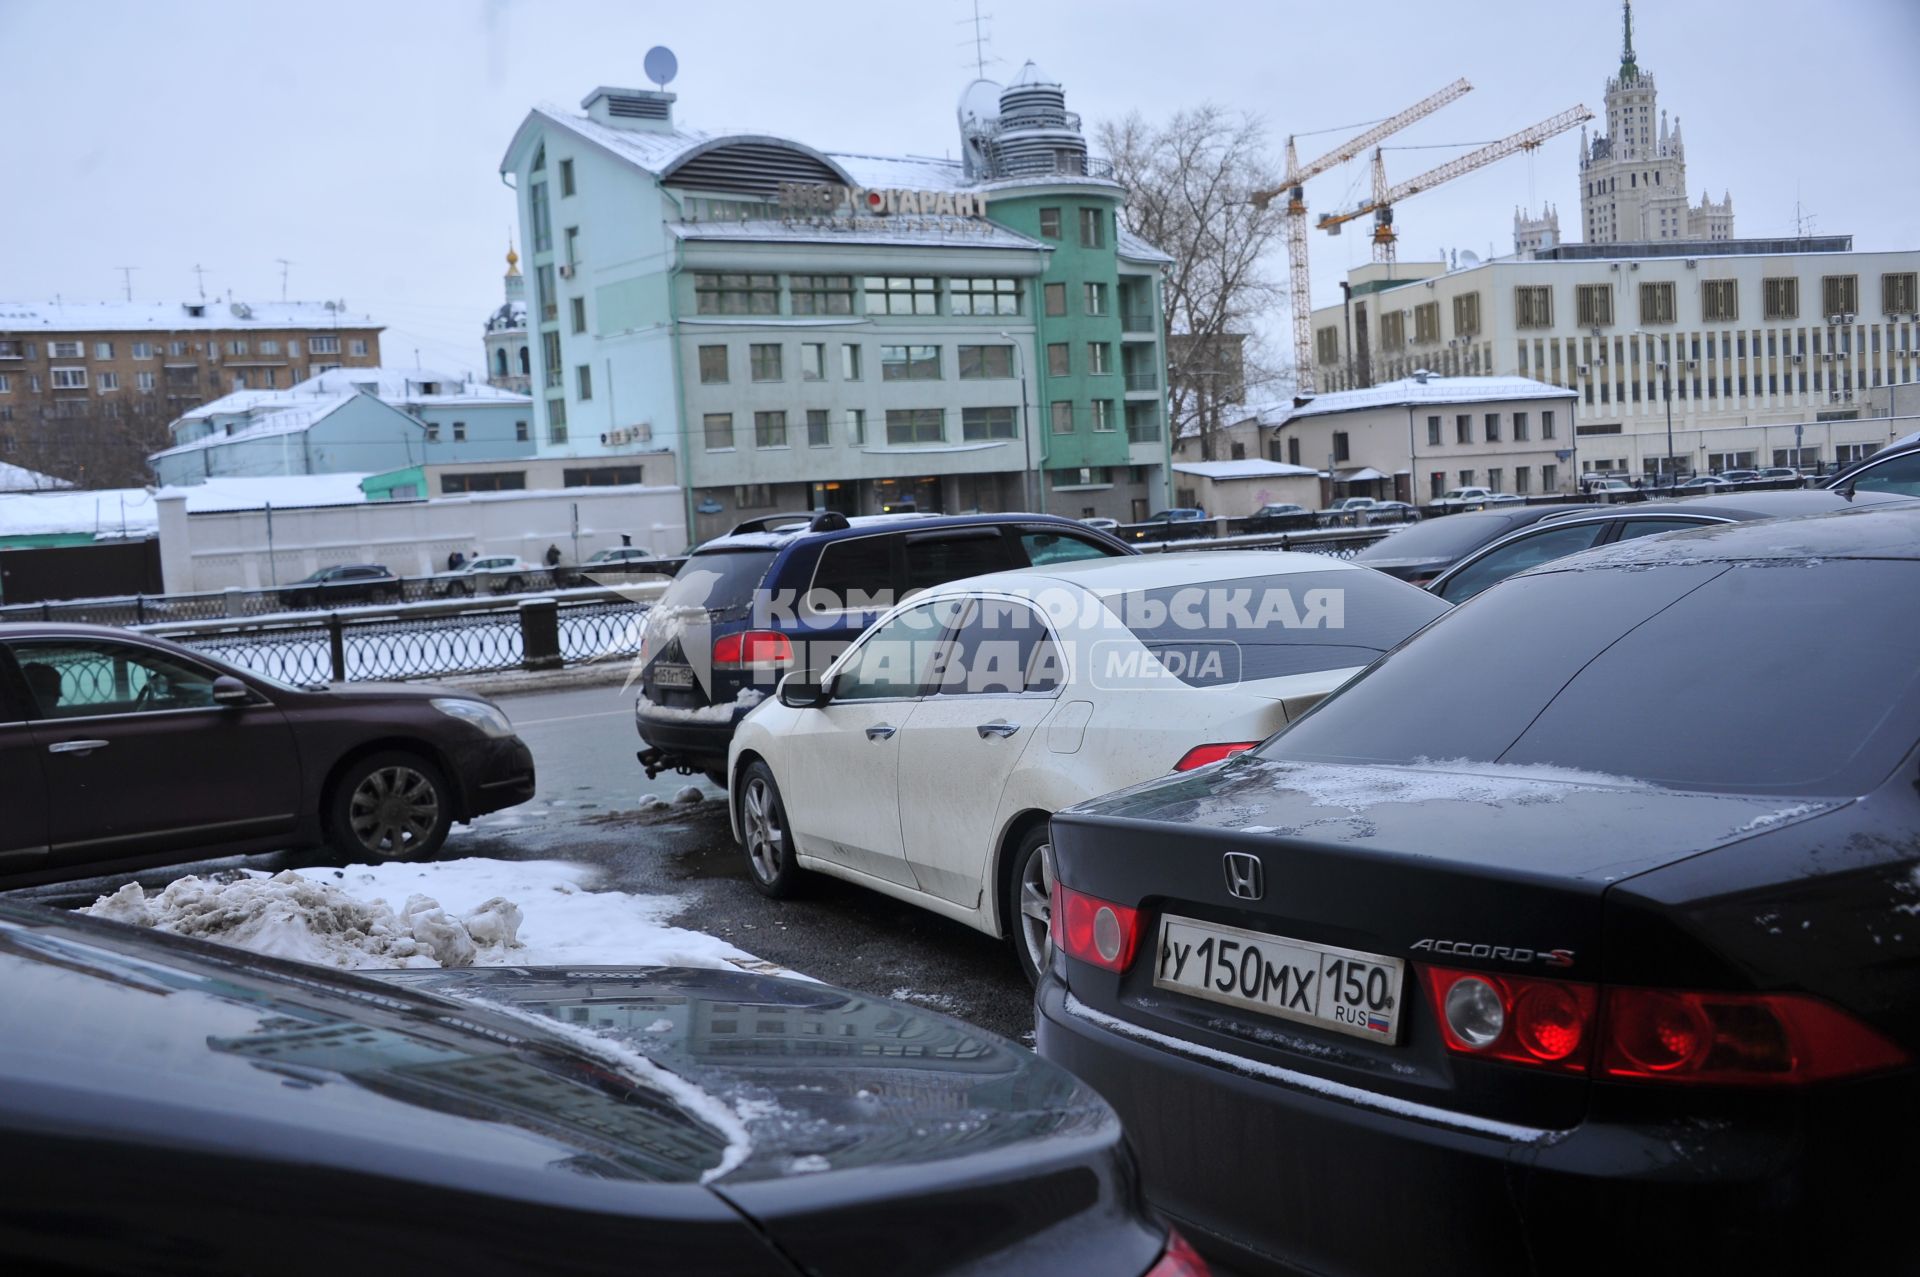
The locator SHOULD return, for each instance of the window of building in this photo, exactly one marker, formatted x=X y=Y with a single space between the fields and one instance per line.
x=1466 y=479
x=1593 y=305
x=1466 y=314
x=1059 y=359
x=902 y=295
x=175 y=349
x=1293 y=450
x=1326 y=346
x=718 y=429
x=1493 y=427
x=813 y=361
x=1426 y=322
x=583 y=382
x=1656 y=302
x=1099 y=358
x=817 y=428
x=1720 y=300
x=602 y=476
x=144 y=349
x=987 y=423
x=237 y=348
x=104 y=349
x=566 y=178
x=69 y=378
x=857 y=426
x=713 y=366
x=550 y=350
x=542 y=222
x=1520 y=427
x=267 y=347
x=63 y=350
x=1549 y=478
x=1898 y=295
x=1839 y=295
x=356 y=347
x=1056 y=298
x=484 y=481
x=577 y=306
x=556 y=421
x=909 y=363
x=1522 y=480
x=984 y=296
x=144 y=380
x=545 y=294
x=459 y=432
x=982 y=363
x=520 y=434
x=770 y=429
x=1341 y=450
x=907 y=426
x=1393 y=330
x=763 y=361
x=1096 y=299
x=1463 y=428
x=1494 y=475
x=323 y=345
x=1103 y=417
x=1050 y=223
x=822 y=294
x=1433 y=432
x=732 y=294
x=1533 y=306
x=573 y=246
x=1093 y=223
x=1062 y=417
x=1084 y=477
x=109 y=381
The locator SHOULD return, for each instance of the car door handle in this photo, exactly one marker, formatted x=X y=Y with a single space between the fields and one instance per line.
x=881 y=732
x=76 y=746
x=1002 y=729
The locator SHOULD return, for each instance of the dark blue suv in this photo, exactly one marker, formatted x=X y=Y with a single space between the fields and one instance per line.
x=791 y=592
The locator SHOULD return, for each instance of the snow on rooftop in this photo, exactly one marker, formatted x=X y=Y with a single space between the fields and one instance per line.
x=954 y=232
x=1409 y=390
x=266 y=425
x=1247 y=468
x=282 y=491
x=57 y=317
x=20 y=479
x=1136 y=249
x=103 y=512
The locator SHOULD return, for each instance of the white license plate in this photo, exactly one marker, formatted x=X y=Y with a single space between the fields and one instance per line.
x=1339 y=989
x=672 y=675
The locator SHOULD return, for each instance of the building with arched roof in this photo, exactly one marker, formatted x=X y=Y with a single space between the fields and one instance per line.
x=509 y=361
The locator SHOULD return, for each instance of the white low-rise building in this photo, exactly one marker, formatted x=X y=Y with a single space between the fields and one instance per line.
x=1235 y=489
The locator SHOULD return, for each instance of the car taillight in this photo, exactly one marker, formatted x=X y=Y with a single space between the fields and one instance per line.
x=1547 y=1023
x=1201 y=755
x=1654 y=1035
x=766 y=649
x=1094 y=930
x=1179 y=1259
x=1742 y=1039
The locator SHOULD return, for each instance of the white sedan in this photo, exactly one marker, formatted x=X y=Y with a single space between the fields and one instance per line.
x=925 y=761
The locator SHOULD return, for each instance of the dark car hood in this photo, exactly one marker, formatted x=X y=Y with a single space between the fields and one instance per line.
x=1404 y=567
x=1522 y=821
x=390 y=691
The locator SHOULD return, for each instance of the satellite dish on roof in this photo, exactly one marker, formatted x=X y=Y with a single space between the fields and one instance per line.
x=661 y=65
x=1469 y=258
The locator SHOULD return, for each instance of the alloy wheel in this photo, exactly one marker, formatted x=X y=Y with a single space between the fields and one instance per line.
x=1036 y=905
x=760 y=814
x=394 y=810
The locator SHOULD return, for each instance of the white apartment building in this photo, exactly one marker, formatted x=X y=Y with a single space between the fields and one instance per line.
x=1766 y=351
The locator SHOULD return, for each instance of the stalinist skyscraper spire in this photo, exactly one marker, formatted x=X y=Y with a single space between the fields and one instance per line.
x=1633 y=178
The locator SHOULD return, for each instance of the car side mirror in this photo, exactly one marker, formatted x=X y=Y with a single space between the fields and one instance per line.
x=804 y=689
x=228 y=690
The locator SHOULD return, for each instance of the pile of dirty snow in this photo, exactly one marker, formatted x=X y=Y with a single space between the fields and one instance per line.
x=451 y=913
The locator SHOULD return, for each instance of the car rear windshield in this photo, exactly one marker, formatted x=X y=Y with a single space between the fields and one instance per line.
x=1451 y=536
x=1776 y=679
x=1210 y=633
x=717 y=579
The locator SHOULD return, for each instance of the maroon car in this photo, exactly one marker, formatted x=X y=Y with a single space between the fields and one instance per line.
x=119 y=750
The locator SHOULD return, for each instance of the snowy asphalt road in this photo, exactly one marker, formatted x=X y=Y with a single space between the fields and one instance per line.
x=588 y=810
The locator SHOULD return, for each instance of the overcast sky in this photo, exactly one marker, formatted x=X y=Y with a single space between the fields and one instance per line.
x=361 y=140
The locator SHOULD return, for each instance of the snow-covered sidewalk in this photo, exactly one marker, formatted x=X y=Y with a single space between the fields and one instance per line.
x=455 y=913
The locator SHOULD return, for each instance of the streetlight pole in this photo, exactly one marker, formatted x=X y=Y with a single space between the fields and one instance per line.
x=1666 y=393
x=1026 y=429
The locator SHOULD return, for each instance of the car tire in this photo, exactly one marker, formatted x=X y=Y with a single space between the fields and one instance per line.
x=515 y=584
x=765 y=835
x=1028 y=903
x=392 y=805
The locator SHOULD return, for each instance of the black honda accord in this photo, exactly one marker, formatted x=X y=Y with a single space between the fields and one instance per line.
x=1579 y=934
x=170 y=1105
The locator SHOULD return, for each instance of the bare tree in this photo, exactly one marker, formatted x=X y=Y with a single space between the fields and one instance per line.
x=104 y=446
x=1188 y=183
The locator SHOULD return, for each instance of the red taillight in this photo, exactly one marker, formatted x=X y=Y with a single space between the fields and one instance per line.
x=765 y=649
x=1742 y=1039
x=1179 y=1259
x=1653 y=1035
x=1094 y=930
x=1546 y=1023
x=1201 y=755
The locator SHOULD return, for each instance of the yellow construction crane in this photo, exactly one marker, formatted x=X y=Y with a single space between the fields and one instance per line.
x=1293 y=187
x=1385 y=197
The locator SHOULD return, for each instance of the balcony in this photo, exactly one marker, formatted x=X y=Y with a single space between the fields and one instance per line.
x=1138 y=321
x=554 y=378
x=1144 y=429
x=1143 y=381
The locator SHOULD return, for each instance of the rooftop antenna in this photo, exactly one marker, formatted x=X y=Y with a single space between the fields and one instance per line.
x=980 y=39
x=200 y=279
x=1802 y=220
x=284 y=263
x=661 y=65
x=126 y=278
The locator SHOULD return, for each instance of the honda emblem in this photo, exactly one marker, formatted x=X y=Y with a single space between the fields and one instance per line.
x=1245 y=879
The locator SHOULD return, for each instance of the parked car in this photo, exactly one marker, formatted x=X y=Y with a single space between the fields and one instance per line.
x=248 y=1114
x=1896 y=470
x=1544 y=921
x=1611 y=490
x=1703 y=481
x=495 y=573
x=1592 y=526
x=619 y=562
x=342 y=584
x=1473 y=499
x=1389 y=512
x=1345 y=512
x=925 y=761
x=1279 y=517
x=1101 y=524
x=788 y=592
x=1178 y=524
x=618 y=555
x=1418 y=554
x=121 y=750
x=1739 y=476
x=1782 y=472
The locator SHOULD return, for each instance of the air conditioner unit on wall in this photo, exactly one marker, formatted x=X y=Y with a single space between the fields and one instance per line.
x=566 y=271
